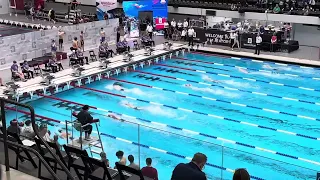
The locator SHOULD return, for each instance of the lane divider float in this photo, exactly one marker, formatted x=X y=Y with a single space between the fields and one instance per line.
x=238 y=77
x=228 y=88
x=251 y=69
x=219 y=100
x=253 y=60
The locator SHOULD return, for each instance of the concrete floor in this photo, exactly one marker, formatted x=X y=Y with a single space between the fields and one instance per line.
x=303 y=53
x=15 y=175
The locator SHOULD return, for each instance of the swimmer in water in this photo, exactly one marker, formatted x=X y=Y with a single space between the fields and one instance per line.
x=274 y=70
x=115 y=117
x=118 y=87
x=207 y=78
x=62 y=134
x=243 y=70
x=129 y=105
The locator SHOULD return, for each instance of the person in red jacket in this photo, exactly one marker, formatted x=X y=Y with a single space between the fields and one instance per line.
x=273 y=42
x=150 y=171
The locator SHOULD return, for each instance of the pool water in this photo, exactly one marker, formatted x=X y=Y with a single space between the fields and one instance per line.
x=260 y=116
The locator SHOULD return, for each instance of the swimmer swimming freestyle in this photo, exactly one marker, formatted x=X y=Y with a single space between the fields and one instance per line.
x=118 y=86
x=115 y=117
x=129 y=105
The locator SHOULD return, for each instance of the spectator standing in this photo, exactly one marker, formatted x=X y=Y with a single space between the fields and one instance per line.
x=132 y=164
x=150 y=171
x=61 y=35
x=166 y=27
x=102 y=35
x=185 y=24
x=53 y=47
x=236 y=40
x=184 y=34
x=150 y=30
x=273 y=42
x=1 y=83
x=241 y=174
x=122 y=159
x=232 y=38
x=191 y=170
x=179 y=25
x=26 y=69
x=75 y=44
x=52 y=15
x=82 y=40
x=118 y=34
x=258 y=44
x=190 y=35
x=173 y=24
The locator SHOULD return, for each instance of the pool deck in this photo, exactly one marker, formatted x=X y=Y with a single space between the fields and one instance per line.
x=247 y=55
x=117 y=65
x=94 y=70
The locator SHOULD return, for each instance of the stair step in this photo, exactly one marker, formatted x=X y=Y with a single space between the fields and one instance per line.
x=95 y=151
x=96 y=144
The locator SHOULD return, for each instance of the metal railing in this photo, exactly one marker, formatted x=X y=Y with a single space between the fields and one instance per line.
x=32 y=118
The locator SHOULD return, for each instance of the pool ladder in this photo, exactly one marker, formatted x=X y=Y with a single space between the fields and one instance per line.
x=94 y=145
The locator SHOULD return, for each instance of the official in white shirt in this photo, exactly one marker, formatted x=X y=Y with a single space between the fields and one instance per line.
x=173 y=23
x=185 y=23
x=232 y=38
x=179 y=25
x=150 y=30
x=258 y=44
x=190 y=35
x=184 y=34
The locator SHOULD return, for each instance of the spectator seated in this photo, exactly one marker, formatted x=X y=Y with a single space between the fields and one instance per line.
x=147 y=41
x=136 y=45
x=122 y=47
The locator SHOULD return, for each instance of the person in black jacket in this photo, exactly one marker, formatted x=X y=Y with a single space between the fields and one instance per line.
x=85 y=118
x=192 y=170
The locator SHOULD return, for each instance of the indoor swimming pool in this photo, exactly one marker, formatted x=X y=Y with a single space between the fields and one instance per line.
x=241 y=113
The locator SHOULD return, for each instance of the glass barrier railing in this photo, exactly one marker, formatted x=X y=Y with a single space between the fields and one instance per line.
x=166 y=145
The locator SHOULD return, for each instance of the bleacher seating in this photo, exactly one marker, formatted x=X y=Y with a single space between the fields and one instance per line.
x=259 y=6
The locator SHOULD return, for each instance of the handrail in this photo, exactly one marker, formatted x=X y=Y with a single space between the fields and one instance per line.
x=139 y=125
x=34 y=152
x=32 y=114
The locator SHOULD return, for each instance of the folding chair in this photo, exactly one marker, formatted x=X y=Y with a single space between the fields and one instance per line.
x=37 y=69
x=49 y=158
x=93 y=56
x=74 y=160
x=127 y=169
x=97 y=170
x=18 y=151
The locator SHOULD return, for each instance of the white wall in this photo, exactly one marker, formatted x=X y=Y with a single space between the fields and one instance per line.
x=85 y=2
x=248 y=15
x=212 y=20
x=307 y=35
x=4 y=6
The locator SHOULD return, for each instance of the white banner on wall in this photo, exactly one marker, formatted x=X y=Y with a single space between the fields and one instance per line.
x=35 y=44
x=106 y=5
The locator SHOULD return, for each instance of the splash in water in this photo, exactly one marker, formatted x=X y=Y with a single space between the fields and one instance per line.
x=135 y=91
x=212 y=91
x=158 y=110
